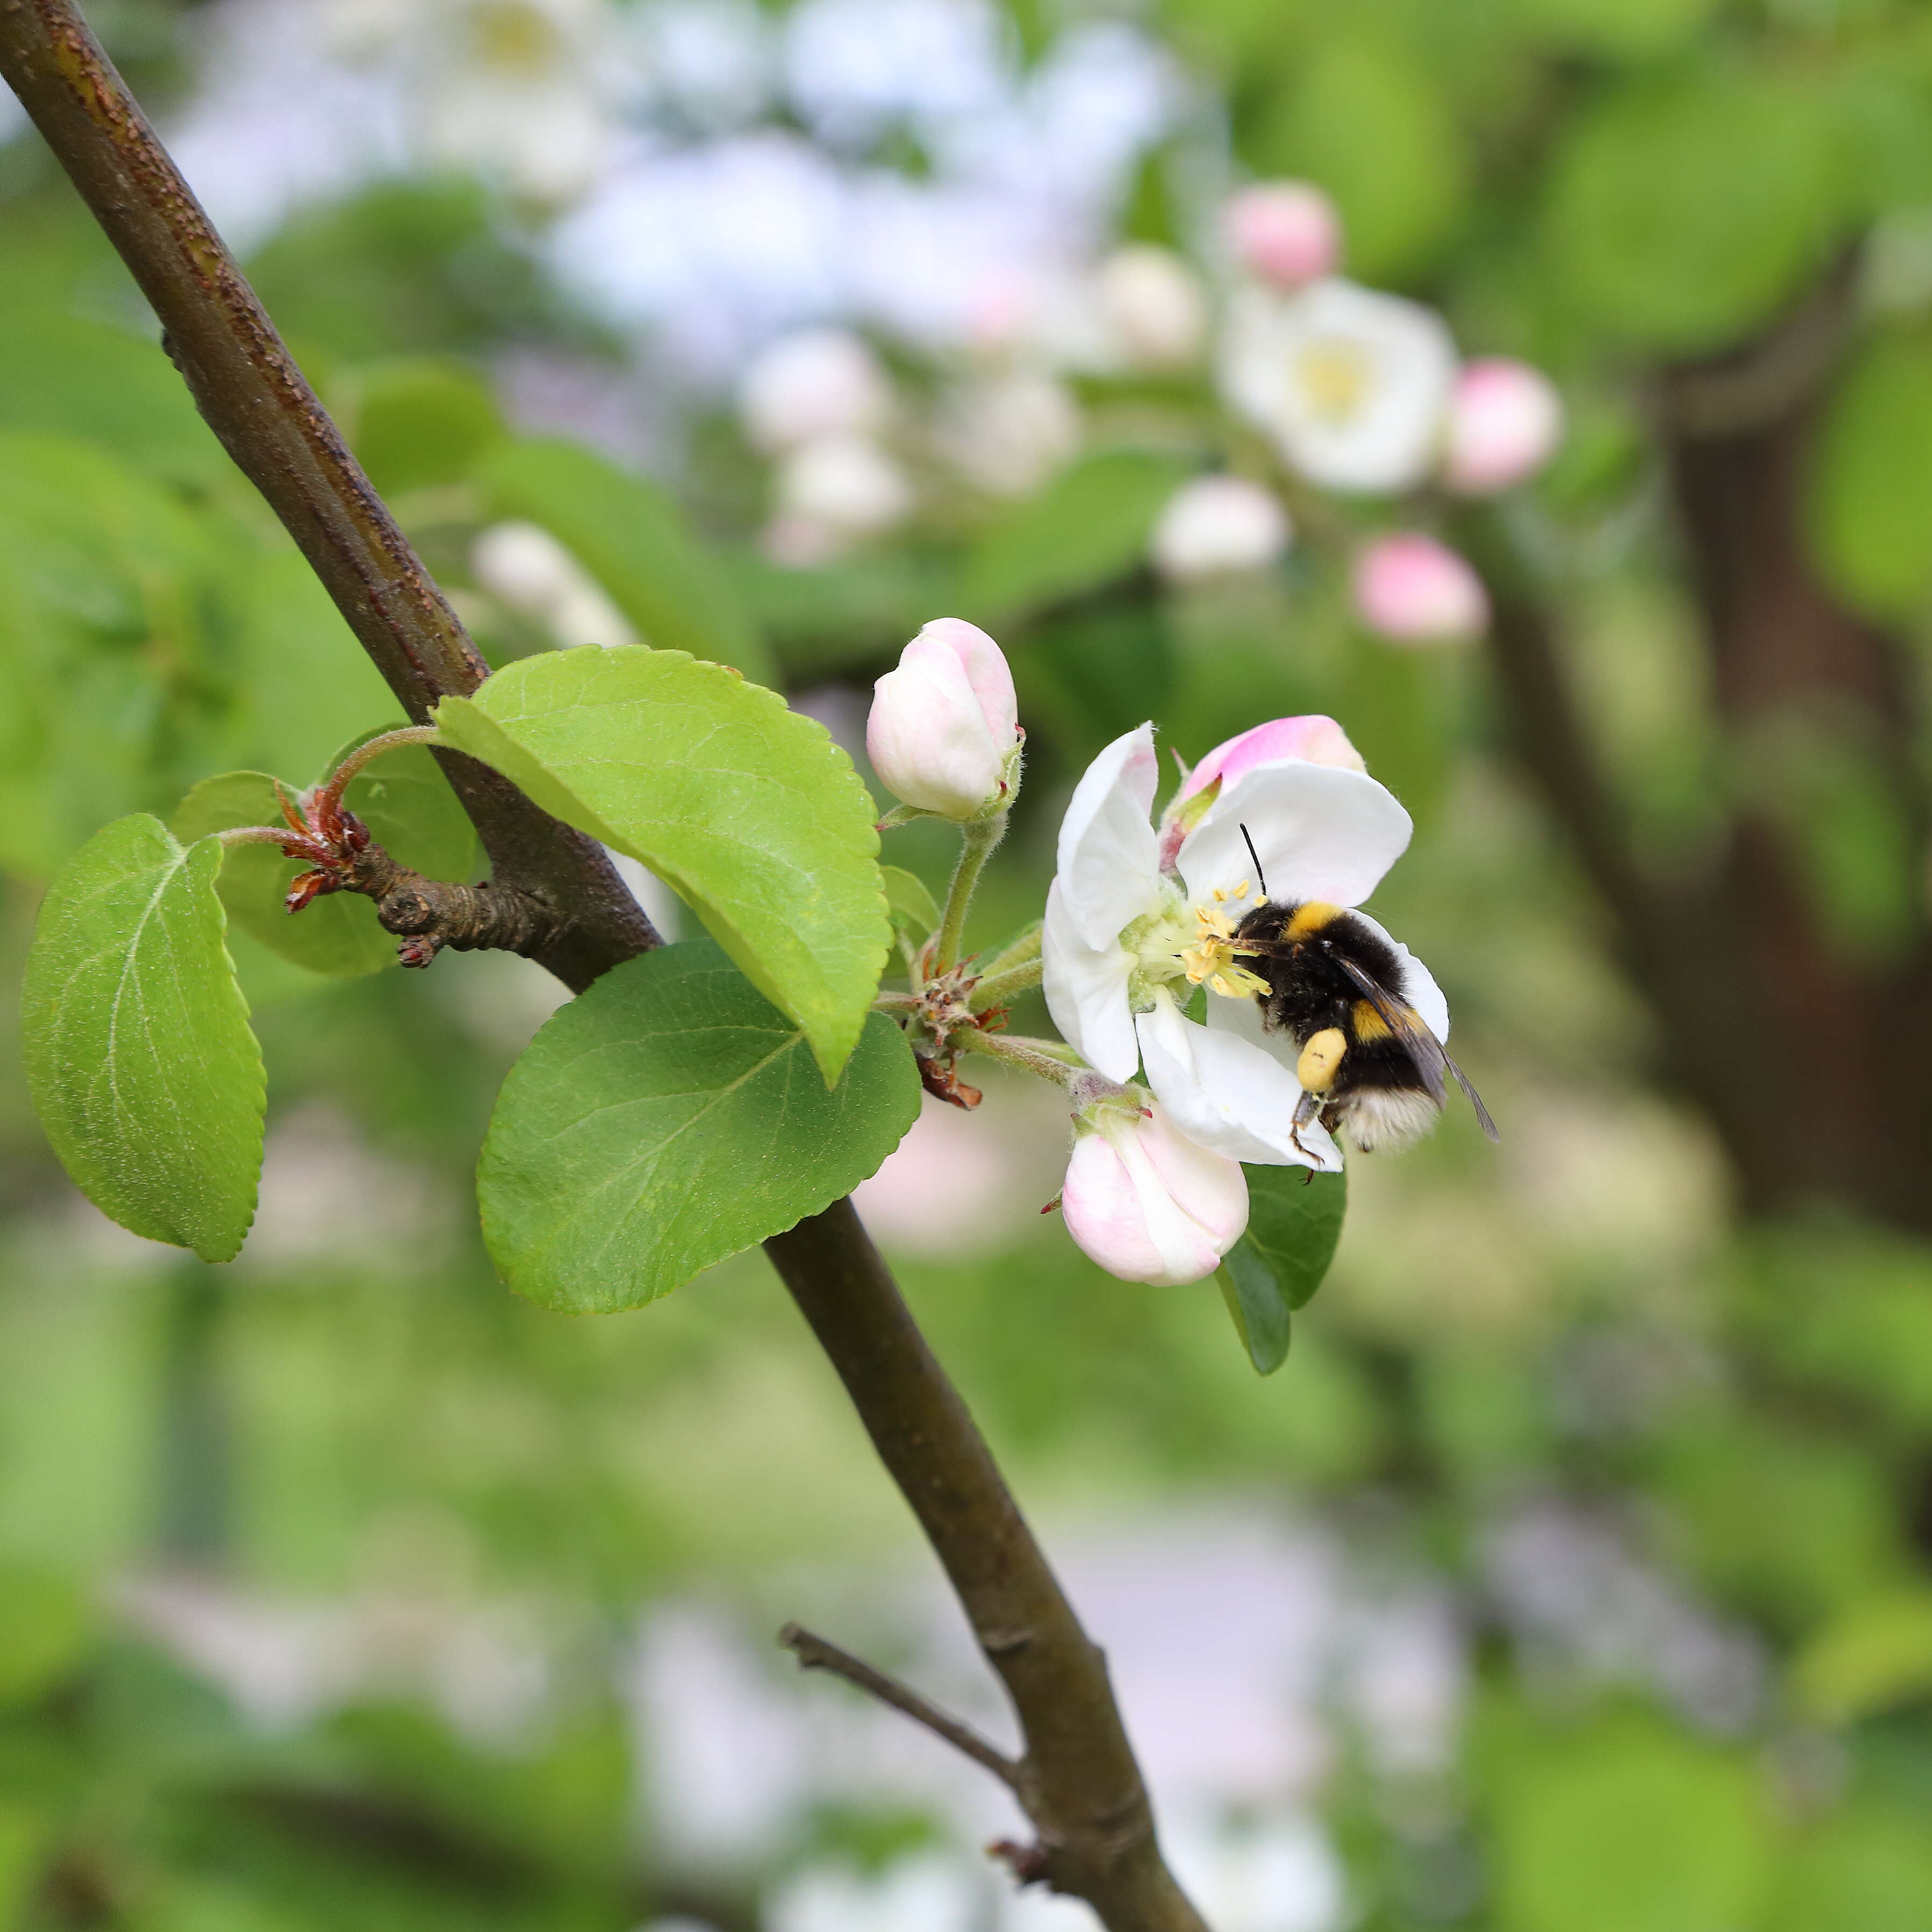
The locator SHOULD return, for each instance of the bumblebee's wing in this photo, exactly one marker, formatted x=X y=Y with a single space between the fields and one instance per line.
x=1430 y=1056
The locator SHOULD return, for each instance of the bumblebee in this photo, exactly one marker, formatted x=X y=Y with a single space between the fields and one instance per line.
x=1368 y=1063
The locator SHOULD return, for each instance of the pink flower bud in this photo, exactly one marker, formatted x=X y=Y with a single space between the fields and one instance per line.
x=944 y=725
x=1218 y=525
x=1415 y=590
x=1285 y=233
x=1148 y=1204
x=1504 y=421
x=1320 y=740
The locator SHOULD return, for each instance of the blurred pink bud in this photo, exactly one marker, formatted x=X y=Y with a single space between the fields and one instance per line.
x=1285 y=233
x=1320 y=740
x=1504 y=420
x=1216 y=526
x=1147 y=1204
x=944 y=725
x=1416 y=590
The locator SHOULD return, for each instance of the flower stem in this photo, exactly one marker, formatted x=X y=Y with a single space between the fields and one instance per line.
x=1040 y=1056
x=978 y=838
x=997 y=989
x=1025 y=947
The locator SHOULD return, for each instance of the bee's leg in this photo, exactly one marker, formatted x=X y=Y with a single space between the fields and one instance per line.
x=1321 y=1055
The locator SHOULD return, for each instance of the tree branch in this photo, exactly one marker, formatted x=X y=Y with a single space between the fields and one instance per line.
x=813 y=1653
x=1078 y=1780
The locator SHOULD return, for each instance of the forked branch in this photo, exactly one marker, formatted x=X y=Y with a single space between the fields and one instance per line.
x=1077 y=1781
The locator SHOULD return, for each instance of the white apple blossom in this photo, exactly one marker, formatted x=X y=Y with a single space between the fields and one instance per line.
x=1505 y=418
x=817 y=382
x=1127 y=937
x=1286 y=233
x=1410 y=588
x=1350 y=384
x=1152 y=307
x=1148 y=1204
x=944 y=726
x=1216 y=526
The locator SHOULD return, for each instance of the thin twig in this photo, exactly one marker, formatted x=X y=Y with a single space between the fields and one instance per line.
x=815 y=1653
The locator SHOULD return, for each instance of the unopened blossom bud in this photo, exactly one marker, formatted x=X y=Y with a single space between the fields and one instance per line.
x=1217 y=526
x=944 y=726
x=1286 y=233
x=1504 y=420
x=1417 y=591
x=1147 y=1203
x=819 y=382
x=1152 y=306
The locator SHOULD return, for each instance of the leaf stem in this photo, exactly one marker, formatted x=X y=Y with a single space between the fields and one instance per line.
x=339 y=780
x=978 y=837
x=1042 y=1056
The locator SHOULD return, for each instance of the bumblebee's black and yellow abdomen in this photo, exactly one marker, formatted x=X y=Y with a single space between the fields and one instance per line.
x=1305 y=953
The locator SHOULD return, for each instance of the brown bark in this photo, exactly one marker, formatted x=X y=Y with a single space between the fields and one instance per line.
x=1078 y=1777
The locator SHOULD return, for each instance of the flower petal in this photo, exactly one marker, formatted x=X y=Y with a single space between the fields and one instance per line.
x=1109 y=857
x=1230 y=1094
x=1321 y=833
x=1418 y=985
x=1086 y=989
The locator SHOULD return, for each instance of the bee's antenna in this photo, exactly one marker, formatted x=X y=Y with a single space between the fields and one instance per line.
x=1259 y=875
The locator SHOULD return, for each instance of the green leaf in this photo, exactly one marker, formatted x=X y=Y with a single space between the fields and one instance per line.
x=411 y=812
x=1366 y=120
x=633 y=538
x=912 y=908
x=1682 y=213
x=1622 y=1827
x=422 y=422
x=669 y=1117
x=1089 y=526
x=1294 y=1225
x=1862 y=1868
x=1868 y=502
x=47 y=1626
x=135 y=1037
x=1631 y=28
x=747 y=810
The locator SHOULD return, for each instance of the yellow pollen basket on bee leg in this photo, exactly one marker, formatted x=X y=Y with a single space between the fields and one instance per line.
x=1315 y=1069
x=1212 y=958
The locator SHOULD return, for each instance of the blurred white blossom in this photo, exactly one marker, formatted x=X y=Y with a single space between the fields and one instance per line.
x=1151 y=307
x=1215 y=525
x=832 y=490
x=1006 y=434
x=922 y=1894
x=817 y=382
x=1350 y=384
x=526 y=567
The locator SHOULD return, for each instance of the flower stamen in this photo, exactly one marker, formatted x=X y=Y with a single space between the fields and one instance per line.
x=1210 y=960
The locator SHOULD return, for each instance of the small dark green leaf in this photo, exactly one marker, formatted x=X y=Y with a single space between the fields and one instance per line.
x=1294 y=1225
x=912 y=909
x=142 y=1068
x=422 y=422
x=1088 y=525
x=667 y=1118
x=633 y=538
x=747 y=810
